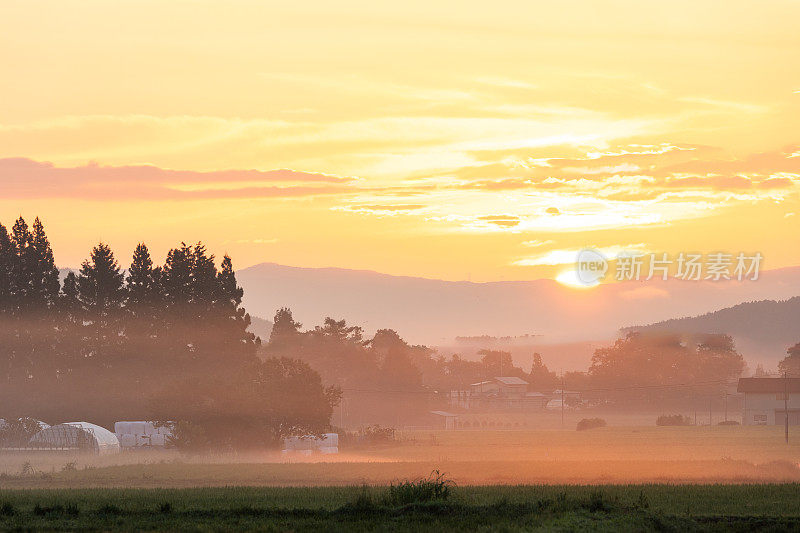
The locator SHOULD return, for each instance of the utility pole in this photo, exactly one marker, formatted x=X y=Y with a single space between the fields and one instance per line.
x=726 y=406
x=786 y=405
x=709 y=411
x=562 y=401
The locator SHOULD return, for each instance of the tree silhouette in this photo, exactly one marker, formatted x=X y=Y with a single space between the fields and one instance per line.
x=163 y=343
x=791 y=363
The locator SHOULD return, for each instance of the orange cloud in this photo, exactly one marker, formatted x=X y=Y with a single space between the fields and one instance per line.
x=24 y=178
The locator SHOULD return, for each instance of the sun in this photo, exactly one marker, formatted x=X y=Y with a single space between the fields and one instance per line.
x=570 y=279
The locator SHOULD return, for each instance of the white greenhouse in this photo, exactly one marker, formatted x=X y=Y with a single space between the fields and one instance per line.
x=82 y=436
x=139 y=434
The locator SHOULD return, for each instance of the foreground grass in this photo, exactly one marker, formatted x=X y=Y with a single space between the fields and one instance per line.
x=342 y=473
x=618 y=507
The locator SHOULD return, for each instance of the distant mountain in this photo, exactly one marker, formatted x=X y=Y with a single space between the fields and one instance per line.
x=565 y=325
x=763 y=330
x=435 y=312
x=261 y=327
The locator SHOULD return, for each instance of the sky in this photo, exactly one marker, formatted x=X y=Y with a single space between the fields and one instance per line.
x=451 y=140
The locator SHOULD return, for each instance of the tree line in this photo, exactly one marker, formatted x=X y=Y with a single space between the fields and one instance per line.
x=160 y=342
x=385 y=379
x=170 y=342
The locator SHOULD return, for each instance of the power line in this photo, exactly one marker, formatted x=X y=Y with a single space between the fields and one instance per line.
x=603 y=389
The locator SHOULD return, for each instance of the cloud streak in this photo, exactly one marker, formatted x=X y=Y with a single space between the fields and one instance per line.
x=24 y=178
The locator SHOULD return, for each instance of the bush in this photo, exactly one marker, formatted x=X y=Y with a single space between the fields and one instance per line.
x=376 y=434
x=432 y=488
x=673 y=420
x=17 y=433
x=187 y=437
x=590 y=423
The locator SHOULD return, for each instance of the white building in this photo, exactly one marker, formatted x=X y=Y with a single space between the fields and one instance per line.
x=765 y=401
x=80 y=436
x=140 y=433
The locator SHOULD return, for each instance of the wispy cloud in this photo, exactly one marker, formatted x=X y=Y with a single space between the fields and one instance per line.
x=24 y=178
x=565 y=257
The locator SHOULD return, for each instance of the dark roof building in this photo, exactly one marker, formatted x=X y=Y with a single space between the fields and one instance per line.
x=769 y=401
x=768 y=385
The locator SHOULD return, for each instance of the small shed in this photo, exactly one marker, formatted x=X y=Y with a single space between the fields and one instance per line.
x=81 y=436
x=141 y=433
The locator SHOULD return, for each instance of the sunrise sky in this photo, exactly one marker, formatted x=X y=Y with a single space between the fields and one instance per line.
x=453 y=140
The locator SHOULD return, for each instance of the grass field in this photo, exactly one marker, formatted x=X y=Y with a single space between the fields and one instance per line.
x=475 y=508
x=724 y=454
x=623 y=478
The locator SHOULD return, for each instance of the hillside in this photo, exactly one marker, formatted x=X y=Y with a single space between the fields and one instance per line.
x=762 y=329
x=435 y=312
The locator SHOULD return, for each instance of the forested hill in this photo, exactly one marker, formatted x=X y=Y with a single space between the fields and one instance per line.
x=435 y=312
x=763 y=330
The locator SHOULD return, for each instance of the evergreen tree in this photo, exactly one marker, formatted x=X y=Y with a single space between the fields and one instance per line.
x=70 y=326
x=142 y=279
x=143 y=294
x=21 y=275
x=177 y=277
x=70 y=305
x=45 y=286
x=7 y=258
x=101 y=294
x=105 y=345
x=235 y=318
x=540 y=377
x=285 y=331
x=204 y=283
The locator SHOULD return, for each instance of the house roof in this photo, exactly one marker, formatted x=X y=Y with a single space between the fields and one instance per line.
x=768 y=385
x=480 y=383
x=443 y=413
x=511 y=380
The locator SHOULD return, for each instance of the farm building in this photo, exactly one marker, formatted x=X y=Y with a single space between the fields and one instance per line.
x=766 y=399
x=80 y=436
x=139 y=434
x=444 y=420
x=500 y=393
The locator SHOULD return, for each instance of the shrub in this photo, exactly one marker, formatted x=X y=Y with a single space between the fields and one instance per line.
x=109 y=509
x=70 y=509
x=590 y=423
x=432 y=488
x=27 y=469
x=375 y=434
x=188 y=437
x=17 y=433
x=673 y=420
x=8 y=509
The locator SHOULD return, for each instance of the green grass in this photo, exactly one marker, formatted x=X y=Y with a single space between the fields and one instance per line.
x=619 y=507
